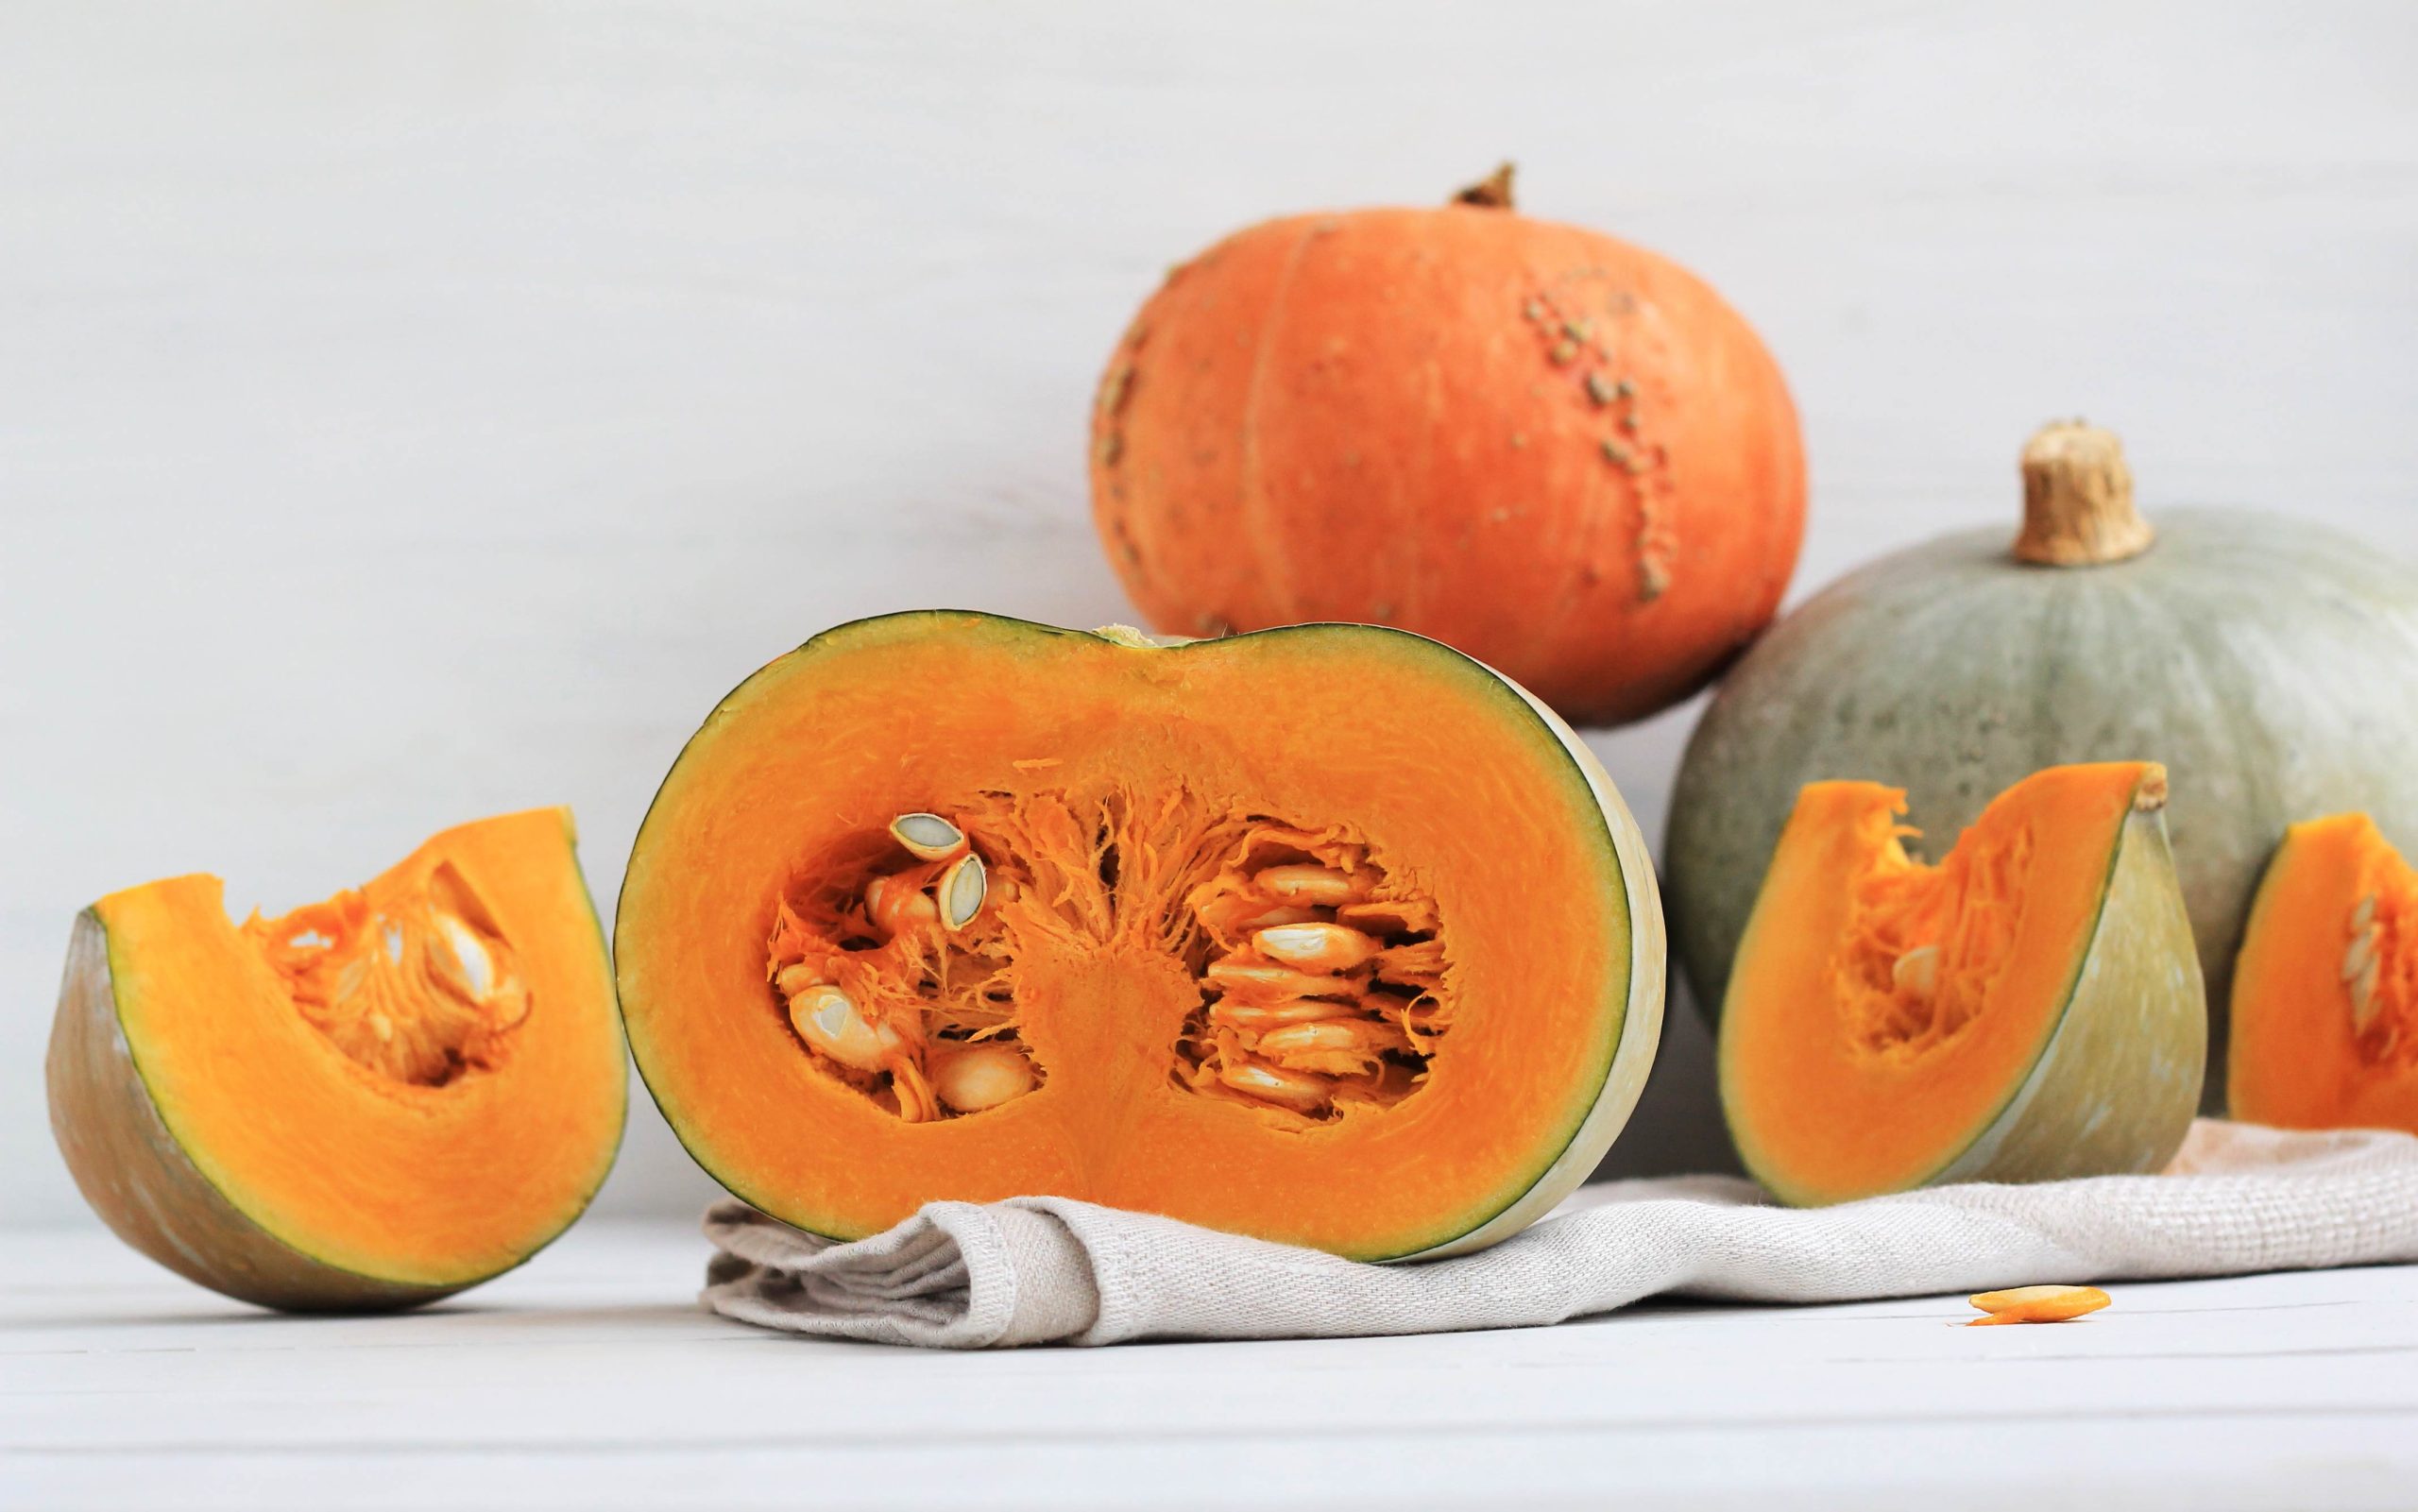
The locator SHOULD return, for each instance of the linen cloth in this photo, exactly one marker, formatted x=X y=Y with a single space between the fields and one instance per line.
x=1034 y=1270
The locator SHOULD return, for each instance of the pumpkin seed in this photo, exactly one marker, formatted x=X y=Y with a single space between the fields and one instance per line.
x=1917 y=972
x=928 y=836
x=1240 y=914
x=1315 y=946
x=2364 y=915
x=981 y=1076
x=2361 y=955
x=2363 y=998
x=1300 y=1091
x=898 y=903
x=1359 y=1035
x=961 y=890
x=1308 y=883
x=2038 y=1304
x=509 y=1004
x=1268 y=981
x=1276 y=1016
x=829 y=1021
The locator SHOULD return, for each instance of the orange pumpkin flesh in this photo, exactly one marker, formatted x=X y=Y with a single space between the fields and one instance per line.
x=1138 y=810
x=2325 y=990
x=371 y=1102
x=2027 y=1009
x=1559 y=452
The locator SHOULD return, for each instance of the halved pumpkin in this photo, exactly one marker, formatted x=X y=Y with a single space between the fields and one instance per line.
x=2030 y=1008
x=369 y=1102
x=2326 y=992
x=1326 y=934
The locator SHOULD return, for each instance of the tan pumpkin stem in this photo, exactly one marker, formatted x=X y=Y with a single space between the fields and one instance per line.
x=2078 y=499
x=1494 y=192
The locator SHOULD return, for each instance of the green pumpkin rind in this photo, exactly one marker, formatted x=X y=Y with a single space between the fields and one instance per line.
x=2118 y=1075
x=2271 y=664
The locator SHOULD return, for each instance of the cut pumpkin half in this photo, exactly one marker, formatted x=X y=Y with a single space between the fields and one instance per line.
x=2027 y=1010
x=1325 y=934
x=369 y=1102
x=2326 y=992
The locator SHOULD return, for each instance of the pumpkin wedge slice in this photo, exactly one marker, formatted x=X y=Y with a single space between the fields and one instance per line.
x=2028 y=1009
x=369 y=1102
x=1326 y=934
x=2326 y=992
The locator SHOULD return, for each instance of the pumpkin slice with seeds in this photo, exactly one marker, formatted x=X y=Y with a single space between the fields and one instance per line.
x=368 y=1102
x=2326 y=992
x=1326 y=934
x=2028 y=1009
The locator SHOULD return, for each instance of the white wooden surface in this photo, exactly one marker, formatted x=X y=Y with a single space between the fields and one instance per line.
x=410 y=411
x=584 y=1381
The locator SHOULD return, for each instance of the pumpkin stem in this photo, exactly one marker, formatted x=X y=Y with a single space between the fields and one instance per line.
x=2078 y=499
x=1494 y=192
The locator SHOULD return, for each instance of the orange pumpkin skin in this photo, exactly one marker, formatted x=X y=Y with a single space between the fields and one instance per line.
x=1562 y=454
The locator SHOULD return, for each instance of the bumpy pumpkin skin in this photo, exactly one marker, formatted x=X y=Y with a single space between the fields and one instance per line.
x=1561 y=453
x=2271 y=664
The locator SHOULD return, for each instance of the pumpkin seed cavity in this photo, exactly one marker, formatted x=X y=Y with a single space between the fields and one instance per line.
x=2381 y=976
x=1924 y=942
x=1323 y=982
x=421 y=990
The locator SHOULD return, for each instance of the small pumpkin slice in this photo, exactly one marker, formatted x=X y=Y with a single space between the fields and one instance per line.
x=2325 y=990
x=2028 y=1009
x=370 y=1102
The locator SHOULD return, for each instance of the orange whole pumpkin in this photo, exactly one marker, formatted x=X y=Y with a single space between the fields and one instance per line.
x=1561 y=453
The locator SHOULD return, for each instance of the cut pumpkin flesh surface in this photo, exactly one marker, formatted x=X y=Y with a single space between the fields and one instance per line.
x=368 y=1101
x=2326 y=992
x=1326 y=934
x=2028 y=1008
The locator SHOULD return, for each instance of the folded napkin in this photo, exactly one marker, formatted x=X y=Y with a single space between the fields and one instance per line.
x=1039 y=1270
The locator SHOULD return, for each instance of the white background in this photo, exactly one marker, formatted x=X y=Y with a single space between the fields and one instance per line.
x=414 y=410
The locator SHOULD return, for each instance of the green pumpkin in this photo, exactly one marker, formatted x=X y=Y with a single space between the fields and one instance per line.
x=2271 y=665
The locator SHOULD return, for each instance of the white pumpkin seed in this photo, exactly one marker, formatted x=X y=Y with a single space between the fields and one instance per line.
x=1917 y=972
x=1307 y=883
x=828 y=1020
x=982 y=1077
x=962 y=889
x=1234 y=1015
x=2363 y=998
x=928 y=836
x=1302 y=1091
x=1315 y=946
x=2361 y=955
